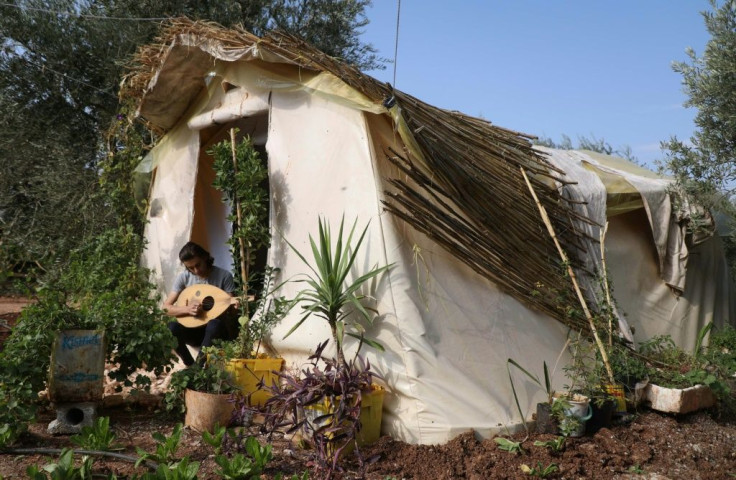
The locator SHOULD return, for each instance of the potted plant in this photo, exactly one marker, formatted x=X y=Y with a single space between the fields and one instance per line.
x=562 y=412
x=204 y=391
x=329 y=295
x=247 y=357
x=240 y=174
x=679 y=382
x=338 y=389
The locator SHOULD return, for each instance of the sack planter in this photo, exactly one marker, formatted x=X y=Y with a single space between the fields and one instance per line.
x=676 y=400
x=205 y=410
x=248 y=373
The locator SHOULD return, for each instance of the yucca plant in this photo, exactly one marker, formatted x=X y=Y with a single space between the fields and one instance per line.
x=329 y=294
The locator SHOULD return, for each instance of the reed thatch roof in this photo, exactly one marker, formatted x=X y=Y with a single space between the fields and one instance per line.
x=463 y=188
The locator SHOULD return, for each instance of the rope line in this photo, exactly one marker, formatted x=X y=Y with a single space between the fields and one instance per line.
x=396 y=44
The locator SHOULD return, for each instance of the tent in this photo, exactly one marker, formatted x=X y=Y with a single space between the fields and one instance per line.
x=476 y=278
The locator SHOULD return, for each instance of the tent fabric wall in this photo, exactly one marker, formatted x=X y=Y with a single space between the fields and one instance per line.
x=441 y=323
x=448 y=331
x=210 y=227
x=660 y=287
x=171 y=210
x=651 y=306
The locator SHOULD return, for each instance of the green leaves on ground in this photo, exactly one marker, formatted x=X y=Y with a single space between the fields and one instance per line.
x=96 y=437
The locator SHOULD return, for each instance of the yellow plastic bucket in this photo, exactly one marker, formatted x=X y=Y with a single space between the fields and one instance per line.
x=617 y=393
x=248 y=373
x=371 y=416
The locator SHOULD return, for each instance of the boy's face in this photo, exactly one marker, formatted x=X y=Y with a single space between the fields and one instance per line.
x=197 y=266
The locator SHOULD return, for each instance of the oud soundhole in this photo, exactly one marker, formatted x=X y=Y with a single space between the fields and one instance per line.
x=207 y=303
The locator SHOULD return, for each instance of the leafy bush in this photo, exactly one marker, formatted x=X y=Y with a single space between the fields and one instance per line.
x=96 y=437
x=103 y=287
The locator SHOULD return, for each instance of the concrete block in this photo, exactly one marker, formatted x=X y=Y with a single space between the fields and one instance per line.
x=71 y=417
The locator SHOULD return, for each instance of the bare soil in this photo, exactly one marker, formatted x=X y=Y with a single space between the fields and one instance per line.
x=652 y=446
x=647 y=446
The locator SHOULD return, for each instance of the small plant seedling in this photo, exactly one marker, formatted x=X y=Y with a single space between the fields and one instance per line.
x=303 y=476
x=509 y=445
x=540 y=470
x=96 y=437
x=261 y=455
x=636 y=469
x=238 y=467
x=165 y=448
x=216 y=438
x=63 y=469
x=245 y=466
x=555 y=445
x=181 y=470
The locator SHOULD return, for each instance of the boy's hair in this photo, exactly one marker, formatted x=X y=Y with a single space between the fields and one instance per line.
x=191 y=250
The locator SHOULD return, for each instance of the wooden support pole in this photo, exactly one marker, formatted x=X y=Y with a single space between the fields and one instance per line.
x=243 y=260
x=571 y=272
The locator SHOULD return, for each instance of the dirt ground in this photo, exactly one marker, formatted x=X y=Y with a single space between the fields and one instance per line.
x=652 y=446
x=649 y=446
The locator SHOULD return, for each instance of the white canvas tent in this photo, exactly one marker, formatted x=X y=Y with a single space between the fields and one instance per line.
x=447 y=206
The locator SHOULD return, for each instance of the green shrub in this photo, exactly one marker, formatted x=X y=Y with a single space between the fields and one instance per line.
x=104 y=287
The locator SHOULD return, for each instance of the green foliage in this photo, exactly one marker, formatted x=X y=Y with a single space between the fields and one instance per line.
x=166 y=447
x=184 y=469
x=109 y=291
x=540 y=470
x=64 y=469
x=586 y=372
x=712 y=366
x=704 y=166
x=627 y=367
x=509 y=445
x=209 y=377
x=242 y=180
x=547 y=385
x=269 y=311
x=721 y=351
x=66 y=173
x=328 y=291
x=215 y=438
x=567 y=424
x=556 y=445
x=242 y=467
x=96 y=437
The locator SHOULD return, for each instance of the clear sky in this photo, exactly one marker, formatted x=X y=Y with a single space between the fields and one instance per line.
x=589 y=68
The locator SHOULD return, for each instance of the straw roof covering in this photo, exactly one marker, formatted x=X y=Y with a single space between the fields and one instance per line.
x=464 y=188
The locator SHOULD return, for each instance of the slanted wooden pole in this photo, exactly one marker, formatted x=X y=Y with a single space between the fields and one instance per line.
x=571 y=272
